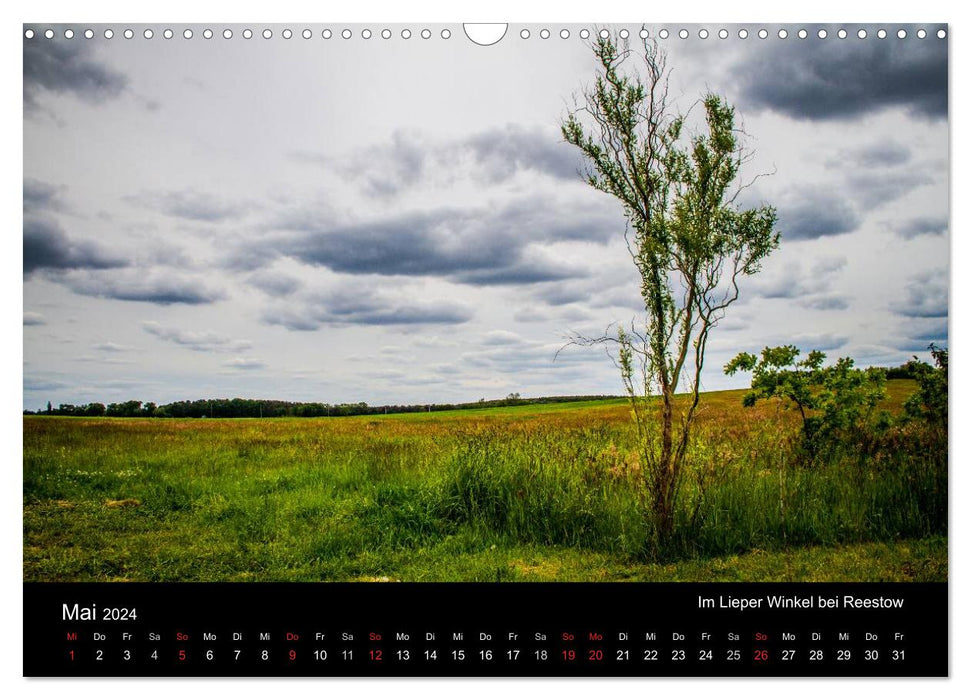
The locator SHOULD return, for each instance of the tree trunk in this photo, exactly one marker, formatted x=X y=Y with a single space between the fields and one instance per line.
x=664 y=491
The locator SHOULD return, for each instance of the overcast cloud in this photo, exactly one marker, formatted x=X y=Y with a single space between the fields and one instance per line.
x=401 y=222
x=848 y=78
x=68 y=67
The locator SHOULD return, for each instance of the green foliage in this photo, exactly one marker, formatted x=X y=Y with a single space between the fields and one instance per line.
x=834 y=402
x=126 y=409
x=520 y=493
x=268 y=408
x=67 y=409
x=929 y=402
x=688 y=239
x=904 y=371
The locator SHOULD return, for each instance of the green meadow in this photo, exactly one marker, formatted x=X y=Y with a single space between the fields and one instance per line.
x=529 y=493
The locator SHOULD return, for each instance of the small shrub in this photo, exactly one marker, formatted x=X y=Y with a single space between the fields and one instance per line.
x=929 y=402
x=836 y=403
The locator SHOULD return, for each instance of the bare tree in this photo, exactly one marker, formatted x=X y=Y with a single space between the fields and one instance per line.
x=687 y=237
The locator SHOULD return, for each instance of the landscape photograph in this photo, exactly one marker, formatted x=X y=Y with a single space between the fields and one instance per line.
x=378 y=303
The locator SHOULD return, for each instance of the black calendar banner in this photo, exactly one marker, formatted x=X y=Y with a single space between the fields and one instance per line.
x=486 y=630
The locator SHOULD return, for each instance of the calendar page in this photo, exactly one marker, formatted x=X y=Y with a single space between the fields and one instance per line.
x=485 y=350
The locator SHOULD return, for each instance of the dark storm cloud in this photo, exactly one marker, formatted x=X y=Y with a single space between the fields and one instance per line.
x=190 y=205
x=67 y=66
x=813 y=212
x=48 y=247
x=882 y=154
x=413 y=244
x=41 y=196
x=843 y=79
x=474 y=246
x=200 y=341
x=925 y=296
x=492 y=156
x=927 y=330
x=916 y=334
x=364 y=307
x=875 y=188
x=499 y=154
x=920 y=226
x=562 y=294
x=153 y=288
x=274 y=284
x=832 y=302
x=520 y=272
x=583 y=291
x=605 y=290
x=913 y=345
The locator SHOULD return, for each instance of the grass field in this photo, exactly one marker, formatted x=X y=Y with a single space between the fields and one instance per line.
x=518 y=493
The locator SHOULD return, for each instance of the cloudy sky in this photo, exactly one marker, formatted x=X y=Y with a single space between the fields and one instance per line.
x=398 y=220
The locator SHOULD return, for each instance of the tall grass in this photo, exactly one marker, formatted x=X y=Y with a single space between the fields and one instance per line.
x=547 y=487
x=443 y=497
x=583 y=488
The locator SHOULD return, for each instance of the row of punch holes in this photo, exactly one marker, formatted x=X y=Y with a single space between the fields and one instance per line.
x=742 y=33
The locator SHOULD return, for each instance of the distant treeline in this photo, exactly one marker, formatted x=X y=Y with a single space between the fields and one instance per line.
x=903 y=372
x=258 y=408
